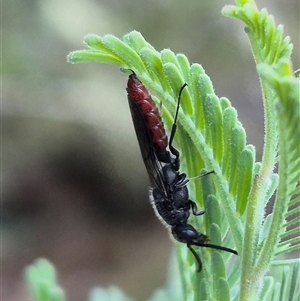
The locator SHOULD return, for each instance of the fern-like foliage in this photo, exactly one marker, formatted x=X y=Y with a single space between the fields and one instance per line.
x=278 y=233
x=210 y=137
x=42 y=281
x=281 y=79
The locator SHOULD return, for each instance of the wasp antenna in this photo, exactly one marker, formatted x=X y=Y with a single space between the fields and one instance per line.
x=219 y=248
x=174 y=126
x=178 y=102
x=201 y=176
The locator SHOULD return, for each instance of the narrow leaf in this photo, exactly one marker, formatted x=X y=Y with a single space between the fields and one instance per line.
x=237 y=143
x=245 y=171
x=213 y=118
x=222 y=292
x=87 y=56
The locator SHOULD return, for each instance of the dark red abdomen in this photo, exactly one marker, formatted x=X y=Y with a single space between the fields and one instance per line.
x=138 y=94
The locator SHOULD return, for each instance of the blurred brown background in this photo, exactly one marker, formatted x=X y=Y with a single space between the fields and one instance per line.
x=74 y=186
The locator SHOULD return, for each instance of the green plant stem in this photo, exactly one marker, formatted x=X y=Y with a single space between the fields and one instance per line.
x=250 y=277
x=282 y=199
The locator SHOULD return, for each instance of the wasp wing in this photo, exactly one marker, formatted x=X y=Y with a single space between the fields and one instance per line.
x=144 y=138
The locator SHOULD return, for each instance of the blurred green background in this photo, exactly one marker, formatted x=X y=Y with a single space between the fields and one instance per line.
x=74 y=187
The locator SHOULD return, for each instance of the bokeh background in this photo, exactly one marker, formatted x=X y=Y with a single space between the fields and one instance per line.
x=74 y=188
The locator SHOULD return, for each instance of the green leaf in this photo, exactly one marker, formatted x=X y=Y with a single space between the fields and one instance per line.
x=268 y=286
x=272 y=187
x=246 y=167
x=152 y=61
x=184 y=66
x=137 y=42
x=237 y=144
x=176 y=81
x=294 y=291
x=213 y=215
x=213 y=115
x=229 y=123
x=218 y=261
x=195 y=72
x=86 y=56
x=41 y=279
x=222 y=290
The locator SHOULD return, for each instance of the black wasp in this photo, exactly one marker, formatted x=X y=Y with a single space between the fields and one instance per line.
x=169 y=195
